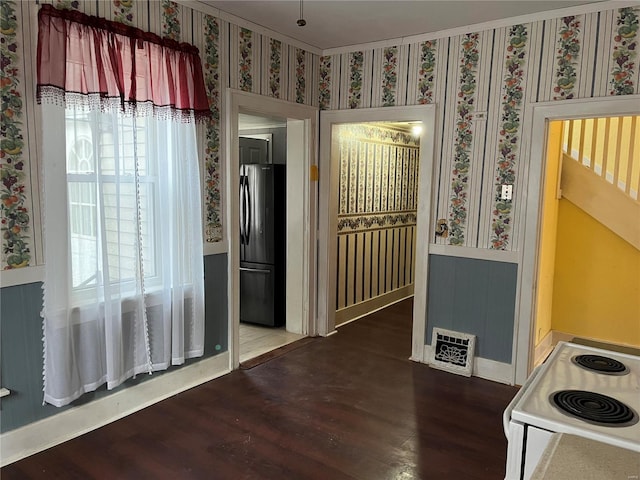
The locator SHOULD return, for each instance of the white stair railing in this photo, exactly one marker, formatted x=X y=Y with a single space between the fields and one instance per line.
x=601 y=172
x=609 y=147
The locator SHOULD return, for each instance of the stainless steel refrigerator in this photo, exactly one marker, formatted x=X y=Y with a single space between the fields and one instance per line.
x=262 y=244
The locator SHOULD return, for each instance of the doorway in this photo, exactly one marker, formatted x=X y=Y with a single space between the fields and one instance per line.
x=329 y=198
x=589 y=249
x=301 y=123
x=377 y=206
x=529 y=263
x=263 y=168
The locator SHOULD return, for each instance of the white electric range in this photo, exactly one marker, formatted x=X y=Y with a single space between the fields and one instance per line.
x=580 y=390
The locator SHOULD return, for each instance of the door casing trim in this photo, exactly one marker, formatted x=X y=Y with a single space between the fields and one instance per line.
x=526 y=293
x=303 y=116
x=329 y=171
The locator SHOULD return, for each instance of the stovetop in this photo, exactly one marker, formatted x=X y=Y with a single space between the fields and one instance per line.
x=603 y=389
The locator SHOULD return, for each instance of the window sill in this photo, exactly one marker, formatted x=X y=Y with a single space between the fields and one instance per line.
x=129 y=303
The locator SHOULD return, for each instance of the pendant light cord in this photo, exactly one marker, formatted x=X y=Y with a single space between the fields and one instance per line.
x=301 y=21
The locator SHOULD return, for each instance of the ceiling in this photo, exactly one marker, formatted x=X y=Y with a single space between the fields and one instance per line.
x=339 y=23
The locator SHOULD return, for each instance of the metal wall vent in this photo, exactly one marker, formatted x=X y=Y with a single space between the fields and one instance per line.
x=452 y=351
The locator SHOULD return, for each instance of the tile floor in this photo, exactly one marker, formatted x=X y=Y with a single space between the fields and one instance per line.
x=256 y=340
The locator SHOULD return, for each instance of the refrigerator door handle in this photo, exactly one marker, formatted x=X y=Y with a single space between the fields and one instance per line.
x=247 y=219
x=254 y=270
x=243 y=210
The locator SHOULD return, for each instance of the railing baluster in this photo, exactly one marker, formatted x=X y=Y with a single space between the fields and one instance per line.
x=608 y=147
x=594 y=141
x=605 y=150
x=616 y=171
x=587 y=152
x=630 y=160
x=583 y=128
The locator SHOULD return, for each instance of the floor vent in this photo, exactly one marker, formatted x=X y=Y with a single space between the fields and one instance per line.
x=452 y=351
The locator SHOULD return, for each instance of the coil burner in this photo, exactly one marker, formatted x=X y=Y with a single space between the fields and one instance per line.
x=600 y=364
x=594 y=408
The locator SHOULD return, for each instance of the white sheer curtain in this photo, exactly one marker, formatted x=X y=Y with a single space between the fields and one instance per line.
x=124 y=281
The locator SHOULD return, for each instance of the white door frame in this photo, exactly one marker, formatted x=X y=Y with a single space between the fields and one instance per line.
x=328 y=226
x=542 y=114
x=302 y=263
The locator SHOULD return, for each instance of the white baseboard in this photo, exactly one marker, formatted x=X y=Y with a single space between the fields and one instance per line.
x=48 y=432
x=495 y=371
x=483 y=368
x=366 y=308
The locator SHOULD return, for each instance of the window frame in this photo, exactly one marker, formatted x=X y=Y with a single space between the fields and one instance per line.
x=87 y=293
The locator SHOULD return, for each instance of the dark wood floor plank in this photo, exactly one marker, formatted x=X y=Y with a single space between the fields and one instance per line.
x=350 y=406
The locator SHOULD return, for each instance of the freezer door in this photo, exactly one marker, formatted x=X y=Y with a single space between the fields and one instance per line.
x=257 y=294
x=253 y=150
x=259 y=221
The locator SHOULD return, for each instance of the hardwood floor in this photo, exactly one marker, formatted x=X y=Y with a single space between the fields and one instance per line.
x=350 y=406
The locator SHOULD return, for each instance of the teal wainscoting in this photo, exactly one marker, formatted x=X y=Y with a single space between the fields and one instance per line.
x=474 y=296
x=21 y=345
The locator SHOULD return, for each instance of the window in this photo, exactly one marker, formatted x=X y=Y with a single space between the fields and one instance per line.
x=124 y=281
x=101 y=177
x=125 y=204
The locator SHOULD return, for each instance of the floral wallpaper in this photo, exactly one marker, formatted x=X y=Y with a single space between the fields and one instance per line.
x=366 y=222
x=378 y=170
x=123 y=11
x=567 y=58
x=481 y=133
x=275 y=53
x=14 y=214
x=389 y=76
x=244 y=46
x=170 y=20
x=325 y=82
x=426 y=72
x=356 y=63
x=19 y=229
x=469 y=57
x=509 y=142
x=379 y=134
x=624 y=52
x=67 y=4
x=300 y=77
x=608 y=70
x=211 y=58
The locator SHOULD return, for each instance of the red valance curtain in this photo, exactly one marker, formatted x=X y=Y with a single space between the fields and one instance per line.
x=95 y=63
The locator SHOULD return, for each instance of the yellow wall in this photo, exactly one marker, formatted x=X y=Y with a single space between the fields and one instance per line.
x=546 y=260
x=596 y=288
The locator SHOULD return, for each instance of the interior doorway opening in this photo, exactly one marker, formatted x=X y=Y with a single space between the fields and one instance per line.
x=589 y=252
x=541 y=115
x=300 y=214
x=264 y=325
x=329 y=207
x=377 y=202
